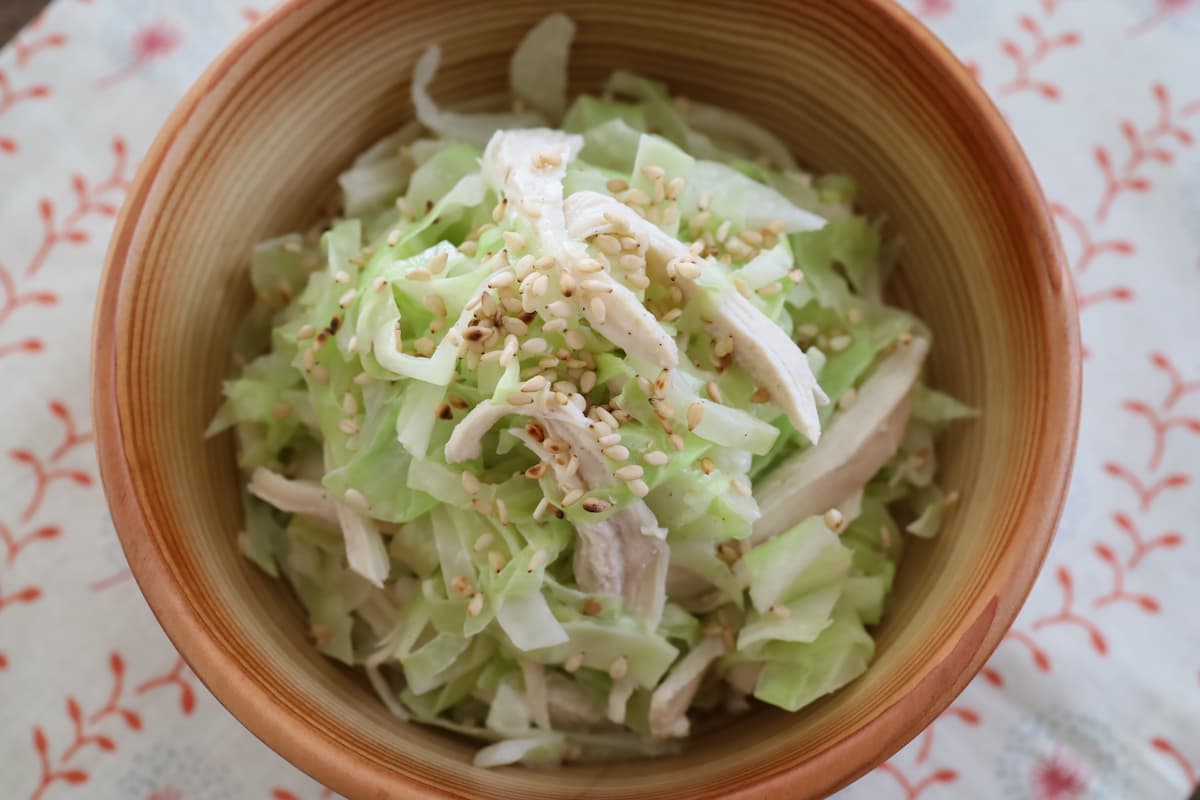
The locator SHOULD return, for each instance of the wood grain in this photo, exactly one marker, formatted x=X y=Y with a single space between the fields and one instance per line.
x=852 y=87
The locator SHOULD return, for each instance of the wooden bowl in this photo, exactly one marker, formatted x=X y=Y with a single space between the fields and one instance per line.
x=856 y=87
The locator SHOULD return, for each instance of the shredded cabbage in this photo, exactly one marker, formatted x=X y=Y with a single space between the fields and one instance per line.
x=585 y=420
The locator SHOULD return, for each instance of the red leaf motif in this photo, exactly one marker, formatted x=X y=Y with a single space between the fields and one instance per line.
x=1123 y=247
x=1010 y=49
x=1138 y=184
x=44 y=298
x=39 y=740
x=81 y=478
x=1105 y=552
x=1171 y=540
x=1162 y=156
x=118 y=146
x=968 y=716
x=48 y=532
x=1160 y=361
x=1160 y=93
x=1049 y=91
x=77 y=237
x=1070 y=39
x=1193 y=425
x=1176 y=480
x=116 y=664
x=1184 y=136
x=1064 y=578
x=28 y=594
x=73 y=710
x=944 y=776
x=39 y=91
x=1102 y=157
x=1122 y=293
x=1099 y=643
x=1027 y=23
x=131 y=719
x=106 y=744
x=1162 y=745
x=23 y=456
x=1041 y=661
x=75 y=777
x=187 y=700
x=1128 y=130
x=78 y=184
x=283 y=794
x=45 y=209
x=1137 y=407
x=1149 y=604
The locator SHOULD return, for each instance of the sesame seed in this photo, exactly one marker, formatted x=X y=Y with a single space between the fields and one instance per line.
x=777 y=226
x=341 y=276
x=349 y=404
x=573 y=662
x=531 y=208
x=541 y=508
x=560 y=308
x=484 y=541
x=617 y=452
x=834 y=520
x=781 y=612
x=572 y=496
x=723 y=346
x=705 y=200
x=538 y=560
x=513 y=241
x=534 y=384
x=587 y=381
x=347 y=298
x=695 y=414
x=595 y=505
x=606 y=417
x=629 y=472
x=394 y=237
x=632 y=262
x=697 y=223
x=839 y=343
x=676 y=441
x=675 y=188
x=714 y=391
x=761 y=395
x=906 y=339
x=535 y=346
x=609 y=245
x=617 y=185
x=482 y=506
x=743 y=288
x=348 y=427
x=475 y=606
x=555 y=326
x=435 y=304
x=723 y=230
x=589 y=265
x=502 y=279
x=635 y=197
x=575 y=338
x=609 y=439
x=498 y=211
x=305 y=332
x=470 y=483
x=618 y=668
x=688 y=269
x=541 y=285
x=363 y=379
x=536 y=471
x=599 y=312
x=593 y=285
x=502 y=511
x=656 y=458
x=496 y=560
x=469 y=248
x=654 y=172
x=437 y=263
x=708 y=465
x=320 y=374
x=520 y=399
x=566 y=284
x=740 y=487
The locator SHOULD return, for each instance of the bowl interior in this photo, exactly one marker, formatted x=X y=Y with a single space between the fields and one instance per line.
x=851 y=87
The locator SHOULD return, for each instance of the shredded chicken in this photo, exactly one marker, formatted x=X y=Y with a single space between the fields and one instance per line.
x=759 y=346
x=859 y=441
x=670 y=701
x=293 y=496
x=536 y=192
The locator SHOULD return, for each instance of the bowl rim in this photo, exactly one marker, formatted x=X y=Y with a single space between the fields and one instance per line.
x=846 y=759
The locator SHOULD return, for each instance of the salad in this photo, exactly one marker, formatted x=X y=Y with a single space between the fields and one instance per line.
x=583 y=424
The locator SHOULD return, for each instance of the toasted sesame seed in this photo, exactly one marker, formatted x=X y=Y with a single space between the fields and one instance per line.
x=714 y=391
x=555 y=326
x=695 y=414
x=723 y=346
x=629 y=472
x=587 y=381
x=676 y=441
x=482 y=506
x=596 y=505
x=305 y=332
x=705 y=200
x=618 y=668
x=496 y=560
x=347 y=298
x=320 y=374
x=281 y=410
x=635 y=197
x=575 y=338
x=617 y=452
x=502 y=511
x=348 y=427
x=535 y=346
x=498 y=211
x=502 y=279
x=394 y=236
x=617 y=185
x=688 y=269
x=839 y=343
x=560 y=308
x=609 y=439
x=595 y=286
x=484 y=541
x=571 y=497
x=573 y=662
x=589 y=266
x=534 y=384
x=599 y=312
x=519 y=399
x=708 y=465
x=536 y=471
x=781 y=612
x=513 y=241
x=538 y=560
x=566 y=284
x=341 y=276
x=349 y=404
x=470 y=482
x=541 y=284
x=435 y=304
x=475 y=606
x=437 y=263
x=469 y=248
x=834 y=520
x=656 y=458
x=632 y=262
x=606 y=417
